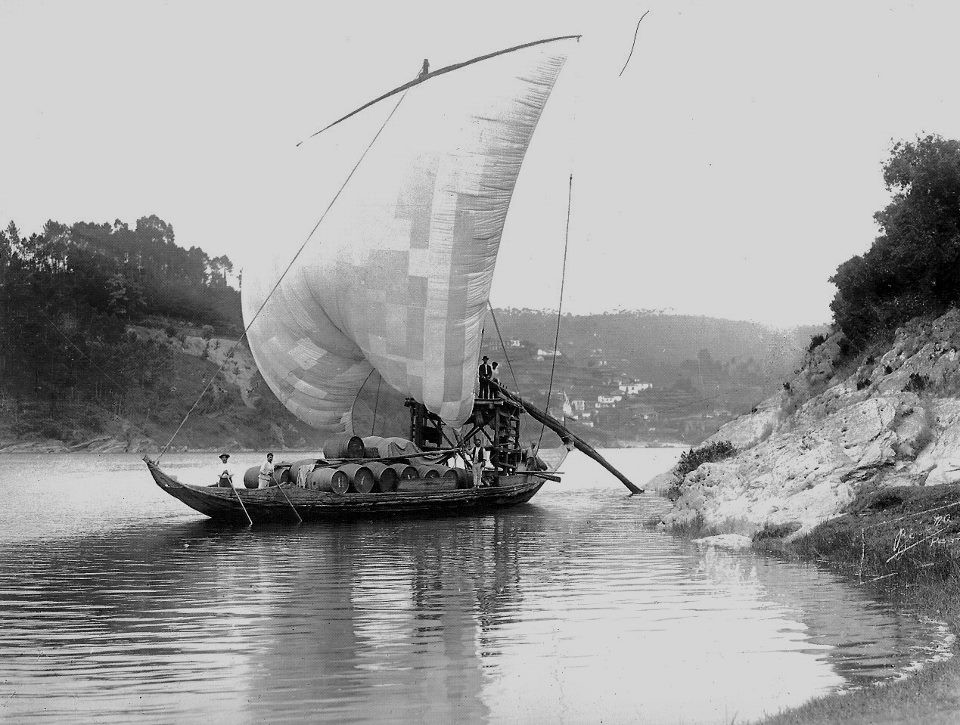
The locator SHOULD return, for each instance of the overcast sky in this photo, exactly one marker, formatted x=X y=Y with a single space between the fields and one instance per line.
x=727 y=172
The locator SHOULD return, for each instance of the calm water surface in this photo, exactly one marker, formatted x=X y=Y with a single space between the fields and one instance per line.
x=119 y=602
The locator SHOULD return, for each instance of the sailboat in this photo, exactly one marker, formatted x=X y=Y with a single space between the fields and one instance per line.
x=378 y=321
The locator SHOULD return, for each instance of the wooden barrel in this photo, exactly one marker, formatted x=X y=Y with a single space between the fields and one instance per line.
x=345 y=446
x=282 y=475
x=328 y=479
x=405 y=471
x=296 y=466
x=386 y=477
x=427 y=471
x=361 y=477
x=450 y=474
x=464 y=477
x=251 y=477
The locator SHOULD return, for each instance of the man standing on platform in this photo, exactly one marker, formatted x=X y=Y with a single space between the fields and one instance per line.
x=484 y=372
x=265 y=478
x=495 y=378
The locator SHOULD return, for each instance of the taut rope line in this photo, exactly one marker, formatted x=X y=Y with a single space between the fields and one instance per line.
x=634 y=44
x=275 y=286
x=563 y=279
x=505 y=356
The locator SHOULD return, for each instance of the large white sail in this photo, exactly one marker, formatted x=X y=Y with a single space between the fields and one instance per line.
x=396 y=279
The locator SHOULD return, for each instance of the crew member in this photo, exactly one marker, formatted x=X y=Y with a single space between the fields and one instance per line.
x=265 y=478
x=484 y=372
x=534 y=462
x=476 y=463
x=495 y=378
x=224 y=474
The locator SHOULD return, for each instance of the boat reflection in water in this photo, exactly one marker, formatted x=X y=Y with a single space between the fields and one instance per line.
x=118 y=605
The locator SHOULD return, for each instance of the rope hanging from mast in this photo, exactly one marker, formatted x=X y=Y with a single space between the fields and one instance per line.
x=505 y=356
x=376 y=405
x=563 y=278
x=634 y=44
x=284 y=274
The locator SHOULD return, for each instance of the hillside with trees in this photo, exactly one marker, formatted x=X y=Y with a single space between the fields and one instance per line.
x=72 y=367
x=643 y=376
x=913 y=267
x=111 y=332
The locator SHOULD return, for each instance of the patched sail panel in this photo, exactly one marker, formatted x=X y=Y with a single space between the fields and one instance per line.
x=398 y=275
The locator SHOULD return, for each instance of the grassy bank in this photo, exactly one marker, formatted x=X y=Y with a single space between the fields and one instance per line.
x=904 y=543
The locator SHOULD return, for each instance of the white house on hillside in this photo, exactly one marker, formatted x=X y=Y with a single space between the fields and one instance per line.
x=634 y=388
x=608 y=400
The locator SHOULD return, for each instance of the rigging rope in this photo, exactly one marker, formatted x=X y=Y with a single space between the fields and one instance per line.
x=505 y=356
x=634 y=45
x=563 y=279
x=376 y=404
x=275 y=286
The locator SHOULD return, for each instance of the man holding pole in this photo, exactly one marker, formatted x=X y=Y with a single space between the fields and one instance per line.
x=265 y=477
x=224 y=474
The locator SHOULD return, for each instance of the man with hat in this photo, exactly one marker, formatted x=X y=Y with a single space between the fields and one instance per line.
x=224 y=474
x=484 y=373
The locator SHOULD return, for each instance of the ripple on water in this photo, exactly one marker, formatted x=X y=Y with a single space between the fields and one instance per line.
x=118 y=603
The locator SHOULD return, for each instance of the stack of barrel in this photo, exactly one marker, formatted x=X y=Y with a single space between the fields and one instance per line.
x=362 y=475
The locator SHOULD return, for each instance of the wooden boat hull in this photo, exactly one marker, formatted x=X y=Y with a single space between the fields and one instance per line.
x=270 y=504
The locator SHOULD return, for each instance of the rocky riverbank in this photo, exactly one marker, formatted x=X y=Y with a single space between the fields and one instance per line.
x=855 y=464
x=842 y=427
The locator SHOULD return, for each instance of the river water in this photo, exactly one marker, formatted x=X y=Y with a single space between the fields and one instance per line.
x=119 y=603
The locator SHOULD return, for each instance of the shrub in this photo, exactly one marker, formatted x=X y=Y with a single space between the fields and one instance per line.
x=710 y=453
x=206 y=332
x=916 y=384
x=816 y=341
x=170 y=330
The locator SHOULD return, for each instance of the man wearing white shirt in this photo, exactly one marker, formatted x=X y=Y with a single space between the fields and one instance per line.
x=265 y=477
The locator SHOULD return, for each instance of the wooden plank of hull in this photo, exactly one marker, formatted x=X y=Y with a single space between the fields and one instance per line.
x=270 y=505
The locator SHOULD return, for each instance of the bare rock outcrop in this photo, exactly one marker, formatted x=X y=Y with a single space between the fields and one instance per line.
x=236 y=363
x=845 y=424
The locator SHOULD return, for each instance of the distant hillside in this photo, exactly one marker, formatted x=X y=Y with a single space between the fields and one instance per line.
x=111 y=332
x=645 y=376
x=653 y=345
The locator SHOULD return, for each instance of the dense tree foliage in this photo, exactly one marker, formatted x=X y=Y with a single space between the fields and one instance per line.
x=68 y=294
x=913 y=267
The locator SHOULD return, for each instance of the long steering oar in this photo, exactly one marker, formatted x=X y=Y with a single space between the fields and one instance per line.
x=557 y=427
x=237 y=494
x=290 y=502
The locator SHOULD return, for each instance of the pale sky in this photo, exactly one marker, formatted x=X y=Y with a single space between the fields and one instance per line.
x=728 y=172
